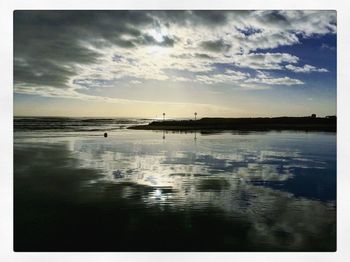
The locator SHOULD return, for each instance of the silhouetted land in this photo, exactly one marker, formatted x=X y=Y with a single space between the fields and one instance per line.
x=249 y=124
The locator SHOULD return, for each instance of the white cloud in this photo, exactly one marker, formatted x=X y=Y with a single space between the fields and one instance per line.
x=267 y=61
x=249 y=86
x=306 y=69
x=325 y=46
x=181 y=79
x=230 y=76
x=287 y=81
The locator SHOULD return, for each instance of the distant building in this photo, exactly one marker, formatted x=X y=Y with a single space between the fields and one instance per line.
x=313 y=116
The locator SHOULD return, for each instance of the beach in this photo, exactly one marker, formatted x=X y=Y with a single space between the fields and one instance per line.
x=143 y=190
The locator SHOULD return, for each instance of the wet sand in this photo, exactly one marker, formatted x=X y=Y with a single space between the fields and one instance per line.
x=64 y=204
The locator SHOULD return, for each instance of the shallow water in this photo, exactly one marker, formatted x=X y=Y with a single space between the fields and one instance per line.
x=156 y=191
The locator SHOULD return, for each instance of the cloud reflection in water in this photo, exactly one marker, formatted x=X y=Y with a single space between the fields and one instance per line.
x=247 y=177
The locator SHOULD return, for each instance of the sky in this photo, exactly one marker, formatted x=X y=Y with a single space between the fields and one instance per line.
x=144 y=63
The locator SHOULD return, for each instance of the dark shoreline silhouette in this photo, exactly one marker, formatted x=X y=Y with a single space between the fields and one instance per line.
x=250 y=124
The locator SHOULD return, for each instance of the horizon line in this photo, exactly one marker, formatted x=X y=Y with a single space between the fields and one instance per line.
x=62 y=116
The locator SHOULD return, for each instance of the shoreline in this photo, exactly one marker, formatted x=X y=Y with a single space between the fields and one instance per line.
x=244 y=124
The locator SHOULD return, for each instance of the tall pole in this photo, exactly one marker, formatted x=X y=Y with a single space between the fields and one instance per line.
x=163 y=116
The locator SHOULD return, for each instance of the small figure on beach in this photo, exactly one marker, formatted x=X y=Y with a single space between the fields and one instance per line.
x=105 y=134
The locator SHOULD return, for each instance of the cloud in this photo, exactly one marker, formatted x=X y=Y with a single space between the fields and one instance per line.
x=146 y=39
x=68 y=51
x=249 y=86
x=200 y=18
x=229 y=76
x=306 y=69
x=265 y=78
x=203 y=56
x=267 y=61
x=51 y=43
x=215 y=46
x=306 y=23
x=325 y=46
x=286 y=81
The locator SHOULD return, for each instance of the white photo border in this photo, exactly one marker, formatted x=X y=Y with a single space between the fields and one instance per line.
x=7 y=8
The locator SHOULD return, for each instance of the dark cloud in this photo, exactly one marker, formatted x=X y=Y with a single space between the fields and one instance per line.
x=47 y=44
x=210 y=17
x=147 y=39
x=191 y=56
x=41 y=73
x=203 y=56
x=215 y=46
x=182 y=56
x=206 y=18
x=248 y=31
x=274 y=17
x=168 y=41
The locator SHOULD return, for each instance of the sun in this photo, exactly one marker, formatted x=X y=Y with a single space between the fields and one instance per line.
x=157 y=34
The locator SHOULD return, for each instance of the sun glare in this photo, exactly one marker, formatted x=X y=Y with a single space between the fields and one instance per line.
x=158 y=34
x=157 y=50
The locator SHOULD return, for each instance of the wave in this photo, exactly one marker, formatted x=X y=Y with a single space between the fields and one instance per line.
x=74 y=124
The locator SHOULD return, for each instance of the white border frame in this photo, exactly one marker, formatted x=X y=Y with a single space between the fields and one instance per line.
x=6 y=129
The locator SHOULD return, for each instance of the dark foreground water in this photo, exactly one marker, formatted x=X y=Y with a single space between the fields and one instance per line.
x=152 y=191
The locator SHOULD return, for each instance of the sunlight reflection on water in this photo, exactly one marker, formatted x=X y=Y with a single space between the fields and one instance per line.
x=285 y=177
x=212 y=164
